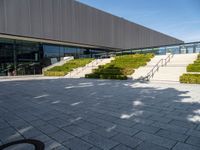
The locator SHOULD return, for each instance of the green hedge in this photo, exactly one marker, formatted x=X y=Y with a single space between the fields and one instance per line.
x=195 y=67
x=197 y=61
x=120 y=67
x=105 y=76
x=54 y=73
x=198 y=57
x=67 y=67
x=190 y=78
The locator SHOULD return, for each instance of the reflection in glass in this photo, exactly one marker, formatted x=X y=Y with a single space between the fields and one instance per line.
x=19 y=57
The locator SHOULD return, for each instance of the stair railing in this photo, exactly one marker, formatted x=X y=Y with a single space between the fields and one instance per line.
x=168 y=59
x=162 y=62
x=154 y=70
x=78 y=70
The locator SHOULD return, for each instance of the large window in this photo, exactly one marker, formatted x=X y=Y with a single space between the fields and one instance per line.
x=51 y=54
x=197 y=48
x=19 y=58
x=27 y=58
x=6 y=57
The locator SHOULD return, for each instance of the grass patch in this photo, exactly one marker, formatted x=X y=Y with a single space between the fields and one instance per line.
x=120 y=67
x=190 y=78
x=195 y=67
x=67 y=67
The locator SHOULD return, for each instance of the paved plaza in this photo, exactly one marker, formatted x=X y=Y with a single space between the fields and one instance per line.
x=82 y=114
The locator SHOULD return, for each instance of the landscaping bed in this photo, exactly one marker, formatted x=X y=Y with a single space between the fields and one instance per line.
x=67 y=67
x=120 y=67
x=190 y=78
x=195 y=67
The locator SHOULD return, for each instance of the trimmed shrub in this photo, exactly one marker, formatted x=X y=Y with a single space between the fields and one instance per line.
x=198 y=57
x=195 y=67
x=54 y=73
x=95 y=76
x=106 y=76
x=190 y=78
x=117 y=77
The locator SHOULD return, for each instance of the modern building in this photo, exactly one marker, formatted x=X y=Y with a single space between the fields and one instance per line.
x=34 y=33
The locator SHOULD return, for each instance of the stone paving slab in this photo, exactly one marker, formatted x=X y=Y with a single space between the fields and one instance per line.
x=146 y=128
x=76 y=143
x=183 y=124
x=170 y=127
x=151 y=146
x=101 y=114
x=193 y=141
x=172 y=135
x=132 y=142
x=107 y=133
x=99 y=141
x=167 y=143
x=183 y=146
x=122 y=147
x=61 y=136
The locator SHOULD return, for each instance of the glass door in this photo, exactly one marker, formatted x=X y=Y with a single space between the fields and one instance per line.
x=6 y=60
x=27 y=56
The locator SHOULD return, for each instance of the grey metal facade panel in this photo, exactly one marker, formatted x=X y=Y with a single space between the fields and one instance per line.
x=74 y=22
x=2 y=16
x=47 y=9
x=36 y=18
x=57 y=19
x=11 y=16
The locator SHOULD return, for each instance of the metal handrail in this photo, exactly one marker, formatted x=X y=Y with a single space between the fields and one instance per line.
x=157 y=66
x=154 y=69
x=78 y=70
x=168 y=58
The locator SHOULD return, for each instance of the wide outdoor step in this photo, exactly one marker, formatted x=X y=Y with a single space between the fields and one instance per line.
x=142 y=71
x=169 y=73
x=175 y=68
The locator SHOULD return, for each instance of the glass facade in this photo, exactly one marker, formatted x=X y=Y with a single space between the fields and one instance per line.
x=55 y=53
x=176 y=49
x=19 y=57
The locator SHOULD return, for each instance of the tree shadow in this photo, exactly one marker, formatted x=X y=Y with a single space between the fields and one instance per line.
x=108 y=104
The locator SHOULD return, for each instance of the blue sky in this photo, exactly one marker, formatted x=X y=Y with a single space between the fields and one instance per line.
x=178 y=18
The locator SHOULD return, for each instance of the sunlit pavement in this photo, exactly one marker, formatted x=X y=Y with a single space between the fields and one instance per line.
x=81 y=114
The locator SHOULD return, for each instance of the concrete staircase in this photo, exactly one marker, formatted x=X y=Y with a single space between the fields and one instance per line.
x=82 y=71
x=143 y=71
x=171 y=72
x=175 y=68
